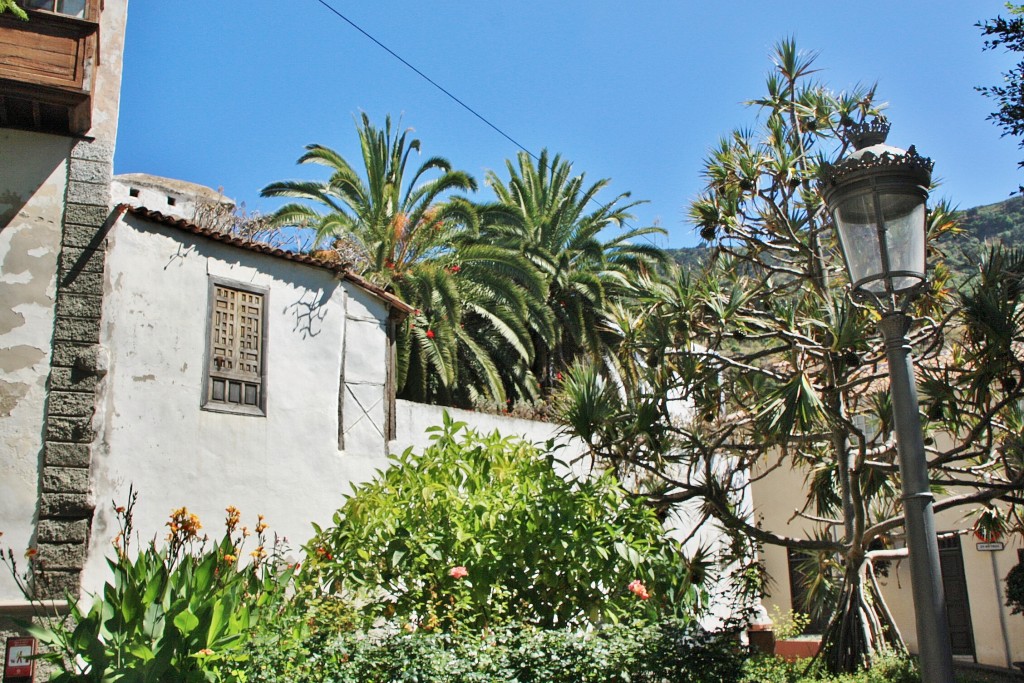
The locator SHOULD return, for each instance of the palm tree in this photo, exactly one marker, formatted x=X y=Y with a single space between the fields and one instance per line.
x=413 y=237
x=559 y=231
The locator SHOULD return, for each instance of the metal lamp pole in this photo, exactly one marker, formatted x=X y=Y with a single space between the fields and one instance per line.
x=877 y=198
x=925 y=573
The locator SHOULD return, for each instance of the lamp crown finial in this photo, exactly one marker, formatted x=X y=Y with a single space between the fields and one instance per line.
x=868 y=133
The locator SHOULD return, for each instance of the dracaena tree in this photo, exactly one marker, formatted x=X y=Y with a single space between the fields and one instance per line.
x=411 y=233
x=763 y=360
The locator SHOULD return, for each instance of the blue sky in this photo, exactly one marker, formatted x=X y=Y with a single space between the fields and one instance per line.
x=227 y=94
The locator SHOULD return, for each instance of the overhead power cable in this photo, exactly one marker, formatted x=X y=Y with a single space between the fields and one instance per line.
x=455 y=99
x=427 y=78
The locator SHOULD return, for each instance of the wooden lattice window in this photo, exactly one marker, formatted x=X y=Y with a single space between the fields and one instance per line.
x=235 y=379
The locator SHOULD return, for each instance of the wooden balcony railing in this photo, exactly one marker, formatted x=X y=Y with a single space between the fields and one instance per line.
x=46 y=69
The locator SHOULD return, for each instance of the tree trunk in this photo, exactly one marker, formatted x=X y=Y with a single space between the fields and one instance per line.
x=861 y=629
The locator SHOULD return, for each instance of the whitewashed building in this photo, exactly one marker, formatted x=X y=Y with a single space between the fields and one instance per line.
x=232 y=373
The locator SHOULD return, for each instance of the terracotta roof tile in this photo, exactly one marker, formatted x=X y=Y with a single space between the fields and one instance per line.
x=340 y=269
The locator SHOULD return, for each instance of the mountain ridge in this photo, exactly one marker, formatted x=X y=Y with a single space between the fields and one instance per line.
x=1001 y=222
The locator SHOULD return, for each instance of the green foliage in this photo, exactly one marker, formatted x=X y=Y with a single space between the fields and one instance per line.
x=979 y=228
x=468 y=339
x=788 y=624
x=962 y=250
x=12 y=7
x=1008 y=33
x=781 y=367
x=770 y=669
x=557 y=222
x=174 y=613
x=640 y=653
x=689 y=258
x=478 y=530
x=1015 y=589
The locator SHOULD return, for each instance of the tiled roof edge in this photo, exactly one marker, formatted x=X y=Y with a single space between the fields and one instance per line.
x=261 y=248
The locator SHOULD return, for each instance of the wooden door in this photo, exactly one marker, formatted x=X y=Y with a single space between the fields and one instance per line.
x=958 y=607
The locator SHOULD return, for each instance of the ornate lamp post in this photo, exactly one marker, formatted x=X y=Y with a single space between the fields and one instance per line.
x=877 y=198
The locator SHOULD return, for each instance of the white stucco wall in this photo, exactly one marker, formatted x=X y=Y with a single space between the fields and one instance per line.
x=33 y=184
x=170 y=197
x=998 y=635
x=151 y=431
x=32 y=188
x=414 y=419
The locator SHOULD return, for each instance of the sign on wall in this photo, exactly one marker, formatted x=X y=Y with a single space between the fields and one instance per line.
x=990 y=547
x=18 y=662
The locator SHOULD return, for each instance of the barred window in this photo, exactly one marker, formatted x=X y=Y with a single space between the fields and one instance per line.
x=237 y=340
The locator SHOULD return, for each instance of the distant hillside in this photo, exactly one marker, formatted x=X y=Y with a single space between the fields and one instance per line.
x=1002 y=222
x=689 y=258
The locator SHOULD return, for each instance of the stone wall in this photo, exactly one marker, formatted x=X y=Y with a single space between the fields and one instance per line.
x=76 y=367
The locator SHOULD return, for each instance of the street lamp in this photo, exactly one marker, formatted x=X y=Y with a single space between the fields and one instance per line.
x=877 y=198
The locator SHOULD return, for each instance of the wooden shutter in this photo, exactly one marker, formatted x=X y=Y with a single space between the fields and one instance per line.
x=235 y=368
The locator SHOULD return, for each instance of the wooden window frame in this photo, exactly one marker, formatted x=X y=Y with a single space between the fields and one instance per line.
x=92 y=10
x=211 y=374
x=48 y=69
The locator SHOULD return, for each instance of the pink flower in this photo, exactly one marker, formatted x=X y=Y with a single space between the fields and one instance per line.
x=637 y=588
x=459 y=572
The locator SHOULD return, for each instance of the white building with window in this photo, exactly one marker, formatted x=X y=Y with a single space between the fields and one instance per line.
x=236 y=374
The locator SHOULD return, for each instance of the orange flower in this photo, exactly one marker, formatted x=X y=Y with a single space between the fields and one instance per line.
x=637 y=588
x=229 y=558
x=185 y=523
x=459 y=572
x=233 y=517
x=31 y=552
x=261 y=526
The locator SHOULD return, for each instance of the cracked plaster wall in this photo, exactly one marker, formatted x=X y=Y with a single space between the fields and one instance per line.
x=54 y=198
x=32 y=187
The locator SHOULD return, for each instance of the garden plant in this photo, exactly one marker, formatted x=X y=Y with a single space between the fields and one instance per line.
x=174 y=611
x=780 y=367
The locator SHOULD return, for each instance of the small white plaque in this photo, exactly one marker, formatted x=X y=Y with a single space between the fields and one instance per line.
x=990 y=546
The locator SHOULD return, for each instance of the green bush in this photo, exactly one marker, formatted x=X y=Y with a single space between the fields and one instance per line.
x=674 y=650
x=174 y=613
x=770 y=669
x=482 y=529
x=1015 y=589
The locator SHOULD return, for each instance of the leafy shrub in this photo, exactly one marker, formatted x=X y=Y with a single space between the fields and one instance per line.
x=1015 y=589
x=788 y=624
x=674 y=650
x=481 y=529
x=771 y=669
x=174 y=613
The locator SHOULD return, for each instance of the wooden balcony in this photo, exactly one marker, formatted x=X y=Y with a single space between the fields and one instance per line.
x=46 y=70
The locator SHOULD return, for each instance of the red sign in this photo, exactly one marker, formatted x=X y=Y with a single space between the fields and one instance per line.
x=18 y=662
